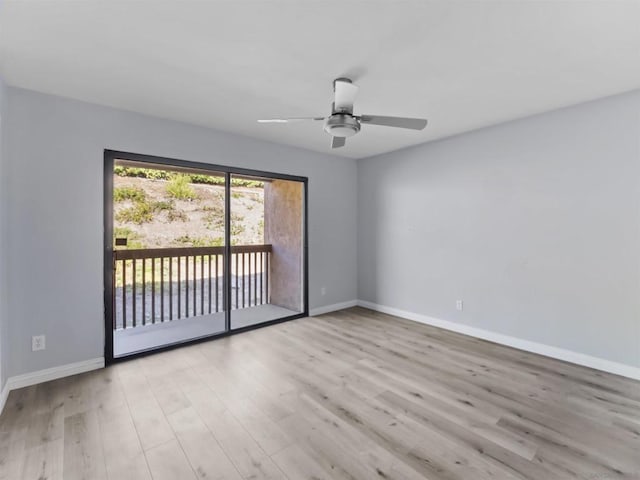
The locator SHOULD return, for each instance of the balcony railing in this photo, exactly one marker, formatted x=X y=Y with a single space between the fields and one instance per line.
x=165 y=284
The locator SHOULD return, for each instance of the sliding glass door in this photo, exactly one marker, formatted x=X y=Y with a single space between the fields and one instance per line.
x=168 y=255
x=194 y=251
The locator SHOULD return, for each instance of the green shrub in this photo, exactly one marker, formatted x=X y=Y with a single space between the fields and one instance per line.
x=237 y=228
x=180 y=187
x=162 y=206
x=169 y=207
x=123 y=232
x=139 y=213
x=150 y=173
x=235 y=182
x=142 y=211
x=154 y=174
x=120 y=194
x=207 y=179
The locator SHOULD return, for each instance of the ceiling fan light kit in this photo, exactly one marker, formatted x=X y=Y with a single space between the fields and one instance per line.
x=342 y=123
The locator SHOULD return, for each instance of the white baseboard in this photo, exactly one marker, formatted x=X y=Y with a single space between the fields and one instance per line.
x=54 y=373
x=526 y=345
x=332 y=308
x=33 y=378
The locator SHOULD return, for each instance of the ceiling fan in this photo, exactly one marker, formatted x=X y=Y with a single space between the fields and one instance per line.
x=342 y=123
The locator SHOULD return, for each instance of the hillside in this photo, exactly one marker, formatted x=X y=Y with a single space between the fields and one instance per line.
x=156 y=213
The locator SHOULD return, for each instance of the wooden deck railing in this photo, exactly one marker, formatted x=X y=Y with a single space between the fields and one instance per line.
x=164 y=284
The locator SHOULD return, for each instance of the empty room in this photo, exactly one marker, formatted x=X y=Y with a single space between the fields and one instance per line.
x=323 y=239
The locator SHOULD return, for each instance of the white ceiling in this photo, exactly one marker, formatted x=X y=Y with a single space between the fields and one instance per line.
x=224 y=64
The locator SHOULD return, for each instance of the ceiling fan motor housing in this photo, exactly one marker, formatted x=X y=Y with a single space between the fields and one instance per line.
x=341 y=125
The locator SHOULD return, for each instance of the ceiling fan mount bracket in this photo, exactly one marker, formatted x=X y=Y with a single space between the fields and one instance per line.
x=342 y=110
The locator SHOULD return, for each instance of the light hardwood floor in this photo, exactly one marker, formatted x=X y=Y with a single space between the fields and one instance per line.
x=353 y=395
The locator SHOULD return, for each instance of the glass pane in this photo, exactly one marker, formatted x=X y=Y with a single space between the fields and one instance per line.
x=169 y=255
x=267 y=249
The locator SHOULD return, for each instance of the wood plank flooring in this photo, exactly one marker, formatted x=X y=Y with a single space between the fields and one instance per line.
x=349 y=395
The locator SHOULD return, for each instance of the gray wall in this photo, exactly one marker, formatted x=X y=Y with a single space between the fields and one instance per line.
x=4 y=318
x=56 y=214
x=535 y=224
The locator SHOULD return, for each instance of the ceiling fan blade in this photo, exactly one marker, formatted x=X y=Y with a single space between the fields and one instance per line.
x=288 y=120
x=337 y=142
x=399 y=122
x=344 y=95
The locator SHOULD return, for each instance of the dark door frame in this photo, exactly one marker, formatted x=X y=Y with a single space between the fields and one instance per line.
x=110 y=156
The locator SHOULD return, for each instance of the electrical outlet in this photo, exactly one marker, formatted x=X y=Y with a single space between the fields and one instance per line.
x=459 y=305
x=323 y=291
x=38 y=343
